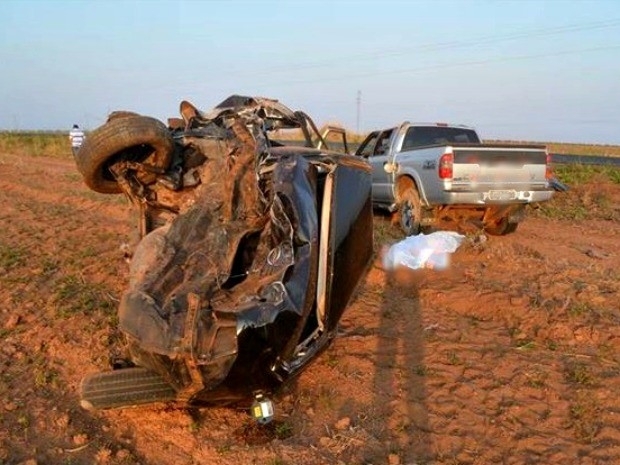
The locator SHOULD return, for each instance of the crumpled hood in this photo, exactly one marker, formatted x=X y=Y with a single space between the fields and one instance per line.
x=274 y=114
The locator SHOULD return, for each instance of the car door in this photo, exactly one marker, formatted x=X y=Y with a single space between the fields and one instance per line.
x=381 y=180
x=376 y=149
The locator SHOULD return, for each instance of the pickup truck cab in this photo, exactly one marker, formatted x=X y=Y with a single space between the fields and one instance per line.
x=434 y=172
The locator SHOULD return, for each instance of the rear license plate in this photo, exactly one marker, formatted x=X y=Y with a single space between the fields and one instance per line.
x=502 y=195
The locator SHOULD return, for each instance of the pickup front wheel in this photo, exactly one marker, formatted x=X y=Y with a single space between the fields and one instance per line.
x=410 y=211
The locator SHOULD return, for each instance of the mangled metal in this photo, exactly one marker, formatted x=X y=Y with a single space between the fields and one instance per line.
x=250 y=251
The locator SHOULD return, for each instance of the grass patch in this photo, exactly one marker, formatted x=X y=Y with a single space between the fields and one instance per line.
x=45 y=377
x=36 y=143
x=422 y=370
x=49 y=266
x=453 y=358
x=537 y=380
x=75 y=296
x=584 y=415
x=525 y=344
x=555 y=210
x=551 y=345
x=589 y=196
x=23 y=421
x=326 y=397
x=576 y=174
x=385 y=232
x=332 y=360
x=578 y=309
x=579 y=204
x=527 y=251
x=73 y=177
x=12 y=256
x=578 y=373
x=283 y=430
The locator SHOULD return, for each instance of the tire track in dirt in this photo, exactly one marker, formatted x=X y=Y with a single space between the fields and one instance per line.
x=56 y=248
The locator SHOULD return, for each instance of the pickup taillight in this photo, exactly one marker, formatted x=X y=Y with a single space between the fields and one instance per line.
x=548 y=169
x=446 y=163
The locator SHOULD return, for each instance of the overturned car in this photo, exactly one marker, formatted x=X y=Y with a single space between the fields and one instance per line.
x=250 y=249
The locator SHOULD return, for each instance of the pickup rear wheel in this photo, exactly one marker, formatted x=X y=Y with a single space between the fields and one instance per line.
x=410 y=211
x=501 y=227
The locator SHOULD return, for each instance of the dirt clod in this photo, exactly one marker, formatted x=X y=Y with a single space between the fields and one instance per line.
x=343 y=423
x=12 y=322
x=80 y=439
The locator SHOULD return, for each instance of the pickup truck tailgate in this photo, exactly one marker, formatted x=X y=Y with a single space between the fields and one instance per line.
x=499 y=170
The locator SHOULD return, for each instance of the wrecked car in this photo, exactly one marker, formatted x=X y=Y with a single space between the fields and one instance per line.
x=250 y=249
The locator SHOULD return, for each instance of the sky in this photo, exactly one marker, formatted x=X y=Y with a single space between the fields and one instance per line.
x=519 y=70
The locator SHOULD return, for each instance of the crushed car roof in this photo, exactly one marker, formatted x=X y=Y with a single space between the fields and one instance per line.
x=275 y=114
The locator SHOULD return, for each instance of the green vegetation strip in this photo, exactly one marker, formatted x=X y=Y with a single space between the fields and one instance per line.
x=36 y=143
x=56 y=144
x=577 y=174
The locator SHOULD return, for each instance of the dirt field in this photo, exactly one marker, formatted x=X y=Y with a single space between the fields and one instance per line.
x=511 y=356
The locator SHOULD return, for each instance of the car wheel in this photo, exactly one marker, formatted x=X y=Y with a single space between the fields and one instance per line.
x=410 y=211
x=135 y=138
x=501 y=227
x=120 y=114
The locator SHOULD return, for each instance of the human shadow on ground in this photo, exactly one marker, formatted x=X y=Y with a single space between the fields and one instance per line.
x=400 y=373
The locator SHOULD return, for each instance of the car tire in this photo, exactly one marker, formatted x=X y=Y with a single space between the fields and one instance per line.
x=120 y=114
x=501 y=227
x=410 y=207
x=131 y=137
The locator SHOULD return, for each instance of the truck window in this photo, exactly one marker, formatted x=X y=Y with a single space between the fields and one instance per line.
x=418 y=136
x=383 y=144
x=368 y=146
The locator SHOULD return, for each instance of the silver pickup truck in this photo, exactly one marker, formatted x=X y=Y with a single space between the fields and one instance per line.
x=431 y=173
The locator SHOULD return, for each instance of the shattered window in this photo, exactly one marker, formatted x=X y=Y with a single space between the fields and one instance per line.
x=368 y=145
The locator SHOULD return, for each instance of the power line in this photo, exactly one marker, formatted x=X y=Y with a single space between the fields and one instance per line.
x=448 y=65
x=293 y=67
x=432 y=47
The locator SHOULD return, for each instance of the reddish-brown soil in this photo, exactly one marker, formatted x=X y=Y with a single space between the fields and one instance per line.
x=510 y=356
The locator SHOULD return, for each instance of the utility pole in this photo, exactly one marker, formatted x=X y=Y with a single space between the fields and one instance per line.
x=359 y=105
